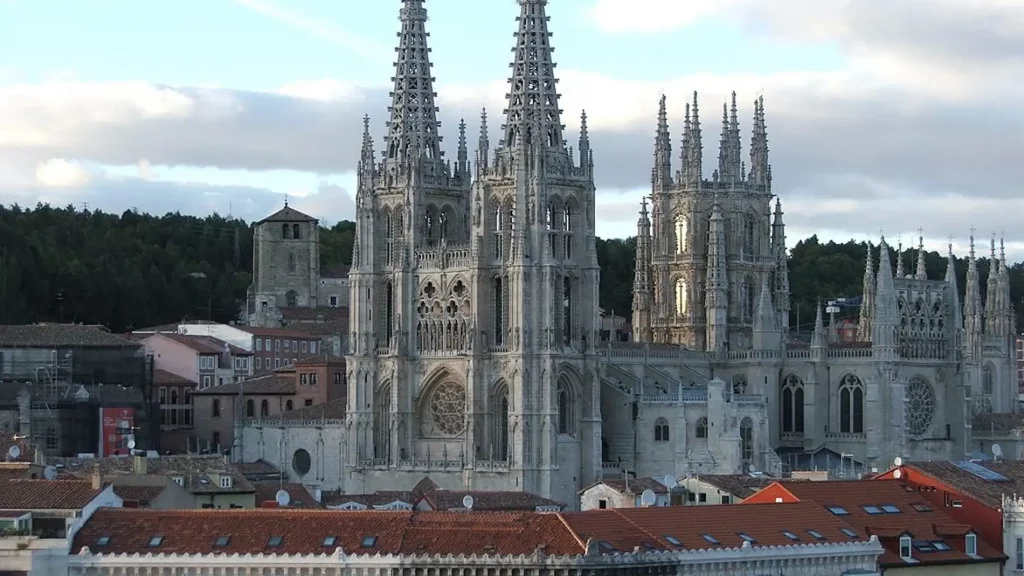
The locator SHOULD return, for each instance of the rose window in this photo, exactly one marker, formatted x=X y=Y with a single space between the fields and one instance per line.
x=448 y=408
x=920 y=405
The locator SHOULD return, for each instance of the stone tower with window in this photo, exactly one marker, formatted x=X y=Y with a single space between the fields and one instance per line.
x=474 y=290
x=285 y=265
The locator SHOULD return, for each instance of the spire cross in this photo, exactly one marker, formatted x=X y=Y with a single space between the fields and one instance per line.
x=920 y=231
x=285 y=200
x=973 y=229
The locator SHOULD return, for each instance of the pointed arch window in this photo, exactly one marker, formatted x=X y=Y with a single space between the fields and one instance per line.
x=264 y=409
x=286 y=231
x=555 y=226
x=499 y=227
x=987 y=380
x=389 y=314
x=748 y=294
x=499 y=416
x=382 y=423
x=566 y=408
x=661 y=430
x=389 y=238
x=498 y=293
x=296 y=231
x=682 y=297
x=291 y=298
x=792 y=404
x=291 y=263
x=851 y=405
x=747 y=440
x=443 y=224
x=702 y=427
x=750 y=236
x=250 y=408
x=681 y=231
x=567 y=306
x=567 y=226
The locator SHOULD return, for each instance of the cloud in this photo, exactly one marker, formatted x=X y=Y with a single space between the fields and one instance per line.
x=920 y=129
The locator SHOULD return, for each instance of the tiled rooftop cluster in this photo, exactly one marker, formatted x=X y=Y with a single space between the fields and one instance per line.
x=739 y=485
x=427 y=533
x=46 y=494
x=428 y=492
x=61 y=335
x=200 y=474
x=986 y=481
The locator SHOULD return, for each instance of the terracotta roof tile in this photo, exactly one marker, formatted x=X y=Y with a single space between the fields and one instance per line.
x=659 y=528
x=332 y=410
x=281 y=332
x=61 y=335
x=634 y=486
x=299 y=496
x=14 y=470
x=197 y=471
x=739 y=485
x=165 y=378
x=46 y=494
x=207 y=344
x=304 y=531
x=988 y=492
x=853 y=496
x=288 y=214
x=141 y=494
x=273 y=383
x=488 y=500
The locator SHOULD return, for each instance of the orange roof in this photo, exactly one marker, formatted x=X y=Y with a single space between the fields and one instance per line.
x=889 y=509
x=306 y=531
x=205 y=344
x=46 y=494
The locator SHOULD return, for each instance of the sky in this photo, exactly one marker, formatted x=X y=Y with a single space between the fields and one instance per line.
x=884 y=116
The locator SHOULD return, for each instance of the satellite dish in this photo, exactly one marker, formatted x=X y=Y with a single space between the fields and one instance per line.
x=997 y=451
x=50 y=473
x=131 y=444
x=670 y=481
x=14 y=452
x=897 y=474
x=897 y=461
x=648 y=497
x=283 y=497
x=467 y=502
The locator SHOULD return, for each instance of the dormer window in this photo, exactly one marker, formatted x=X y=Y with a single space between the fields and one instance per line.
x=179 y=480
x=156 y=541
x=225 y=481
x=102 y=541
x=971 y=544
x=906 y=550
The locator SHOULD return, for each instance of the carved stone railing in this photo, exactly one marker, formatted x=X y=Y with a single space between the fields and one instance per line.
x=798 y=353
x=756 y=399
x=849 y=353
x=374 y=463
x=690 y=396
x=491 y=465
x=845 y=436
x=442 y=258
x=431 y=464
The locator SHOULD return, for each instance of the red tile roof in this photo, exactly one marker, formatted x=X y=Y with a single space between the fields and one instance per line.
x=206 y=344
x=487 y=500
x=165 y=378
x=144 y=495
x=273 y=383
x=920 y=522
x=304 y=531
x=46 y=494
x=297 y=493
x=988 y=492
x=14 y=470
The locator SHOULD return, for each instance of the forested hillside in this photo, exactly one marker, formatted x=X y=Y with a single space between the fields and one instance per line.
x=134 y=270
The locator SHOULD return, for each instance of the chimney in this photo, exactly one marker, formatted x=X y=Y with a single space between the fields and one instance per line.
x=141 y=464
x=97 y=478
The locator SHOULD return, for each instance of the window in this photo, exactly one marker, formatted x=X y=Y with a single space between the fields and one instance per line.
x=295 y=346
x=602 y=504
x=661 y=430
x=206 y=363
x=155 y=541
x=302 y=379
x=941 y=546
x=259 y=344
x=681 y=237
x=673 y=540
x=277 y=344
x=309 y=402
x=815 y=534
x=250 y=408
x=222 y=541
x=259 y=363
x=104 y=540
x=264 y=408
x=702 y=427
x=726 y=499
x=312 y=379
x=286 y=345
x=890 y=509
x=905 y=547
x=266 y=344
x=286 y=231
x=369 y=541
x=1019 y=554
x=277 y=362
x=851 y=405
x=920 y=507
x=849 y=532
x=225 y=481
x=793 y=404
x=295 y=231
x=334 y=301
x=162 y=394
x=790 y=535
x=971 y=544
x=207 y=381
x=710 y=539
x=288 y=405
x=337 y=378
x=304 y=344
x=330 y=540
x=566 y=405
x=215 y=409
x=179 y=480
x=312 y=347
x=747 y=537
x=275 y=541
x=702 y=497
x=838 y=510
x=682 y=297
x=872 y=509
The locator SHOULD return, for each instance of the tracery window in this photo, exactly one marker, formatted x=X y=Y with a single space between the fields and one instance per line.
x=566 y=408
x=382 y=423
x=661 y=430
x=682 y=297
x=446 y=410
x=748 y=294
x=792 y=404
x=986 y=380
x=681 y=231
x=567 y=308
x=747 y=440
x=920 y=402
x=851 y=405
x=499 y=415
x=702 y=427
x=499 y=228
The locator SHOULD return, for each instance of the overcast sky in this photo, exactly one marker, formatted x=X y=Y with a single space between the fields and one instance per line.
x=883 y=115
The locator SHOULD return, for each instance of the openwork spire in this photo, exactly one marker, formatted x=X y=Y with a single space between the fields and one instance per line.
x=973 y=320
x=693 y=149
x=661 y=175
x=867 y=302
x=413 y=128
x=730 y=162
x=900 y=272
x=533 y=96
x=483 y=144
x=367 y=167
x=992 y=292
x=953 y=289
x=921 y=273
x=462 y=167
x=586 y=154
x=760 y=170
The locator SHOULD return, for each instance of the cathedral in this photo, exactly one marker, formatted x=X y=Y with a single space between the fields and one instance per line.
x=473 y=349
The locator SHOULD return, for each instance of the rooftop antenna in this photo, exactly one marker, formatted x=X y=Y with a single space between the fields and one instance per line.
x=50 y=473
x=467 y=502
x=283 y=498
x=13 y=453
x=997 y=452
x=647 y=498
x=897 y=462
x=670 y=481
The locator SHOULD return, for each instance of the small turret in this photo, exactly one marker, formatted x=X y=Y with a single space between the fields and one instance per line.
x=483 y=145
x=586 y=154
x=954 y=290
x=819 y=339
x=661 y=174
x=642 y=302
x=973 y=321
x=693 y=150
x=867 y=303
x=886 y=318
x=900 y=272
x=992 y=311
x=760 y=169
x=462 y=164
x=717 y=295
x=921 y=273
x=766 y=329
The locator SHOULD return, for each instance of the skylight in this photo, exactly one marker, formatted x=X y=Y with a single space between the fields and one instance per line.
x=672 y=540
x=923 y=546
x=815 y=534
x=222 y=541
x=747 y=537
x=606 y=546
x=711 y=539
x=790 y=535
x=275 y=541
x=369 y=541
x=838 y=510
x=872 y=509
x=940 y=545
x=890 y=509
x=103 y=541
x=849 y=532
x=921 y=507
x=156 y=541
x=330 y=540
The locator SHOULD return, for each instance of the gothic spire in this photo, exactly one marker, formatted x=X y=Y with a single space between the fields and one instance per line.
x=693 y=150
x=972 y=308
x=462 y=167
x=483 y=144
x=954 y=290
x=413 y=130
x=723 y=146
x=717 y=287
x=992 y=292
x=730 y=168
x=782 y=303
x=586 y=155
x=921 y=273
x=886 y=316
x=533 y=95
x=642 y=302
x=760 y=170
x=766 y=328
x=867 y=302
x=818 y=337
x=899 y=260
x=661 y=175
x=367 y=169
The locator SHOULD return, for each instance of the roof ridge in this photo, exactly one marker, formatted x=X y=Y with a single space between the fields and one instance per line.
x=575 y=536
x=638 y=527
